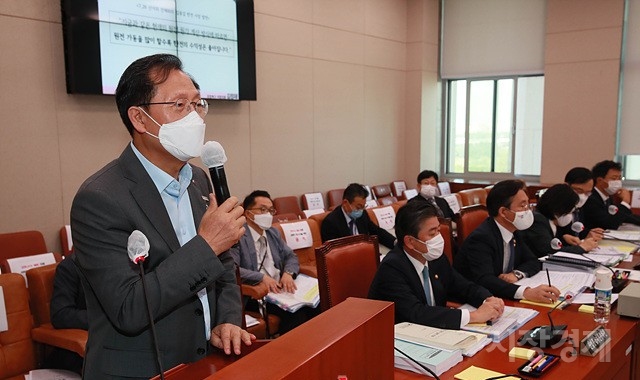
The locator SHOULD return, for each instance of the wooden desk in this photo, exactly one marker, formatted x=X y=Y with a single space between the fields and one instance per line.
x=354 y=338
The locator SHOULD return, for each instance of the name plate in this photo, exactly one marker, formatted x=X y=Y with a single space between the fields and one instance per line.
x=591 y=344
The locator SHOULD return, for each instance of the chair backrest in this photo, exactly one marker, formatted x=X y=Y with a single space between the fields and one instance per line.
x=17 y=353
x=306 y=254
x=319 y=218
x=446 y=230
x=383 y=216
x=312 y=201
x=40 y=290
x=381 y=191
x=65 y=240
x=24 y=243
x=346 y=267
x=476 y=196
x=288 y=205
x=34 y=261
x=384 y=201
x=288 y=217
x=334 y=198
x=470 y=218
x=398 y=188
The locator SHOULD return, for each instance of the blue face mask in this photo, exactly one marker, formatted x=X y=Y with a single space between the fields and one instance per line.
x=355 y=214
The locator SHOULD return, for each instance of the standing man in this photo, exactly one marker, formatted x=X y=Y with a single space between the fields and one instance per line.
x=601 y=209
x=428 y=191
x=190 y=275
x=351 y=218
x=495 y=256
x=265 y=258
x=419 y=279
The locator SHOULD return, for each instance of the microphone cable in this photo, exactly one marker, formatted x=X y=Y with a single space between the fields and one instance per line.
x=418 y=363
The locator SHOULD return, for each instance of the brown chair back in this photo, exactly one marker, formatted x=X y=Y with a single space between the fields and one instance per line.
x=288 y=205
x=470 y=218
x=40 y=290
x=334 y=198
x=346 y=267
x=319 y=218
x=288 y=217
x=447 y=234
x=24 y=243
x=17 y=353
x=473 y=196
x=306 y=256
x=4 y=264
x=381 y=191
x=398 y=188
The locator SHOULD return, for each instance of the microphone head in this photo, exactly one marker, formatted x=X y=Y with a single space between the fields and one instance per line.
x=556 y=244
x=612 y=210
x=137 y=247
x=213 y=154
x=577 y=227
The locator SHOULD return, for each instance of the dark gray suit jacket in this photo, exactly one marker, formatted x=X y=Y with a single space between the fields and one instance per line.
x=245 y=256
x=112 y=203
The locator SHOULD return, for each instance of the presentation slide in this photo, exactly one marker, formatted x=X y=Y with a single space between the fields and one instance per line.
x=202 y=33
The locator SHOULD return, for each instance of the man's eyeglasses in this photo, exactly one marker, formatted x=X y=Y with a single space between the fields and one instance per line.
x=264 y=210
x=183 y=106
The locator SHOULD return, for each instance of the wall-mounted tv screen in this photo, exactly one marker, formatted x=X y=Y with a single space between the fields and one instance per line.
x=213 y=38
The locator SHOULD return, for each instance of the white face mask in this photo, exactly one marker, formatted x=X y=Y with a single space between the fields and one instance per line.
x=183 y=138
x=435 y=246
x=614 y=187
x=428 y=191
x=523 y=219
x=582 y=200
x=564 y=220
x=263 y=221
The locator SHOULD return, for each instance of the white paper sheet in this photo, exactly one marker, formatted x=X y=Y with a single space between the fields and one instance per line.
x=452 y=200
x=386 y=217
x=314 y=201
x=23 y=264
x=297 y=234
x=573 y=282
x=4 y=325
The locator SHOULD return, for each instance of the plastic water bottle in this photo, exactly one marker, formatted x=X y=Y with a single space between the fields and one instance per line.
x=602 y=304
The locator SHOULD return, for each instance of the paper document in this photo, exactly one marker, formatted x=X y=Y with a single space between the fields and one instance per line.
x=589 y=298
x=435 y=359
x=23 y=264
x=567 y=282
x=250 y=321
x=477 y=373
x=512 y=319
x=51 y=374
x=307 y=294
x=434 y=337
x=624 y=235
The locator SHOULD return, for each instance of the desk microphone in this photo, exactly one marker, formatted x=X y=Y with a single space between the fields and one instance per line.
x=556 y=244
x=577 y=227
x=214 y=157
x=418 y=363
x=138 y=250
x=547 y=336
x=613 y=209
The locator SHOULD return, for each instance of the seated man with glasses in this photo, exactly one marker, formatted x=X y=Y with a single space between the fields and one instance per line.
x=495 y=256
x=352 y=219
x=264 y=257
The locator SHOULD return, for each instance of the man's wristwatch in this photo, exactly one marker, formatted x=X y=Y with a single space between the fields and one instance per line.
x=293 y=274
x=519 y=274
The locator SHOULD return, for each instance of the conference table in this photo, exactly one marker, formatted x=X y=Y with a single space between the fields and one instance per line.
x=356 y=337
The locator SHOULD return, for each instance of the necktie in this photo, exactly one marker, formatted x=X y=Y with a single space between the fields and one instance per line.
x=267 y=265
x=427 y=285
x=262 y=251
x=512 y=254
x=352 y=225
x=438 y=210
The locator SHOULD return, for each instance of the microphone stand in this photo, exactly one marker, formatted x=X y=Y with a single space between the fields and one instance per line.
x=544 y=336
x=151 y=323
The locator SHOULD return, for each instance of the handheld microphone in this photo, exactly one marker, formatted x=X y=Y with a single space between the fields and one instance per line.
x=138 y=250
x=577 y=227
x=213 y=157
x=613 y=209
x=556 y=244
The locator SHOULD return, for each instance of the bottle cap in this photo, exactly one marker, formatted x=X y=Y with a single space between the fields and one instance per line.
x=603 y=278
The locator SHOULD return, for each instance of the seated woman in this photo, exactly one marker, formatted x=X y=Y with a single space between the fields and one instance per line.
x=555 y=209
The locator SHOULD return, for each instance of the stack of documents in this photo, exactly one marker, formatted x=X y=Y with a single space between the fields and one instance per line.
x=512 y=319
x=51 y=374
x=469 y=343
x=437 y=360
x=587 y=262
x=567 y=282
x=306 y=295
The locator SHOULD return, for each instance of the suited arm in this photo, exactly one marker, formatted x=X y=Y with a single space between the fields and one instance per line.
x=101 y=230
x=229 y=306
x=467 y=291
x=241 y=259
x=65 y=310
x=390 y=284
x=482 y=268
x=384 y=237
x=526 y=261
x=329 y=229
x=596 y=214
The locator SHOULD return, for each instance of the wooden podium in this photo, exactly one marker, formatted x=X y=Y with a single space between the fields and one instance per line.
x=354 y=338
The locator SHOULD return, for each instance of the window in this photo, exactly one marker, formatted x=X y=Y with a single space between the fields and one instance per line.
x=494 y=126
x=631 y=167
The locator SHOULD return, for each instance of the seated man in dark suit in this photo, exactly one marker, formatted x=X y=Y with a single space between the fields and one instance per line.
x=419 y=279
x=581 y=182
x=264 y=257
x=428 y=191
x=351 y=218
x=68 y=310
x=495 y=256
x=601 y=210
